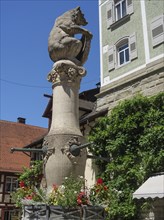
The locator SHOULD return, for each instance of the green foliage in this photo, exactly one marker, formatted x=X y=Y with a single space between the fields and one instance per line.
x=29 y=180
x=69 y=194
x=32 y=176
x=28 y=195
x=132 y=137
x=99 y=194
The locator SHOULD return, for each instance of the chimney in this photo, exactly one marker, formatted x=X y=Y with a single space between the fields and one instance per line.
x=21 y=120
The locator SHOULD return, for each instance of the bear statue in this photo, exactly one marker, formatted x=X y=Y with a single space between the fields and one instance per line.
x=62 y=42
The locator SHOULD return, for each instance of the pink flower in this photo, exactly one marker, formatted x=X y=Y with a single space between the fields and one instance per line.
x=28 y=197
x=79 y=202
x=81 y=194
x=82 y=199
x=55 y=187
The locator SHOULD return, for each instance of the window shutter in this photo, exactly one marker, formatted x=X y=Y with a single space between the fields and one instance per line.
x=109 y=13
x=157 y=29
x=129 y=6
x=111 y=58
x=133 y=46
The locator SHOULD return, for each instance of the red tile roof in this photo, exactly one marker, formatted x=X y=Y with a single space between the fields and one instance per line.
x=14 y=134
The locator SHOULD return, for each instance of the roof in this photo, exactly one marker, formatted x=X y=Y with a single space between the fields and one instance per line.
x=152 y=188
x=89 y=95
x=14 y=134
x=91 y=116
x=48 y=110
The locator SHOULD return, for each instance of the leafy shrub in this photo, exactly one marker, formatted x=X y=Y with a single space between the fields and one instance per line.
x=132 y=137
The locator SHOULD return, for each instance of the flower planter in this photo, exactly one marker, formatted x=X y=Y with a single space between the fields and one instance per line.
x=33 y=212
x=45 y=212
x=57 y=212
x=93 y=213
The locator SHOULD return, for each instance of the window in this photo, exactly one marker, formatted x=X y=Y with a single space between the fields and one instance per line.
x=123 y=52
x=117 y=9
x=11 y=184
x=11 y=214
x=7 y=215
x=36 y=156
x=120 y=9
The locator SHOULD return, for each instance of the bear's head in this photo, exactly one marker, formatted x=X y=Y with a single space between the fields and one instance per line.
x=79 y=17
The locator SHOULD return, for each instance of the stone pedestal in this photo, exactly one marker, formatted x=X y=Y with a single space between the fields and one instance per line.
x=64 y=131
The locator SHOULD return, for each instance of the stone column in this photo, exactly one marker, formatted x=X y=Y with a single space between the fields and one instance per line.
x=64 y=132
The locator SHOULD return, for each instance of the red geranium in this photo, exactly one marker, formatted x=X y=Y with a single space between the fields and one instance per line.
x=99 y=193
x=82 y=199
x=22 y=184
x=99 y=181
x=79 y=202
x=30 y=197
x=55 y=187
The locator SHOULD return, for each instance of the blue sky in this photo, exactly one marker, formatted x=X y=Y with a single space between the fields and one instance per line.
x=25 y=63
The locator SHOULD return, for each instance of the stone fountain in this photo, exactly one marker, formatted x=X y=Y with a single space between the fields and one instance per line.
x=68 y=54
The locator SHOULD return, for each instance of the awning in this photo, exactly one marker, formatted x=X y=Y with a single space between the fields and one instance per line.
x=152 y=188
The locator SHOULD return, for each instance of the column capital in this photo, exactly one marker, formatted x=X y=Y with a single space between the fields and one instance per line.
x=65 y=71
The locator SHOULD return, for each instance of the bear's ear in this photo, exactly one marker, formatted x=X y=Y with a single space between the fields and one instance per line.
x=78 y=8
x=78 y=11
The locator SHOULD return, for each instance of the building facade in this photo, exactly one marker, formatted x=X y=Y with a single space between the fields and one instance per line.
x=131 y=50
x=131 y=56
x=13 y=134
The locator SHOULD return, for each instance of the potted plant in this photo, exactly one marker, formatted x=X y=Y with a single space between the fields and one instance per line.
x=98 y=196
x=29 y=182
x=71 y=200
x=66 y=200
